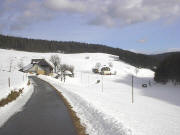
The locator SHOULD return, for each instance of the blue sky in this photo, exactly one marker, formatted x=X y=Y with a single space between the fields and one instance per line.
x=137 y=25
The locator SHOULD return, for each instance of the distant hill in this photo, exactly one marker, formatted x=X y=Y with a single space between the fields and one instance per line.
x=36 y=45
x=162 y=56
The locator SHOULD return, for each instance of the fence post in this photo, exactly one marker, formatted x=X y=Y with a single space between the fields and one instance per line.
x=102 y=84
x=81 y=76
x=9 y=82
x=88 y=80
x=132 y=89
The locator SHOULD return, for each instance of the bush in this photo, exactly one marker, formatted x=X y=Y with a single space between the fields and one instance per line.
x=65 y=67
x=110 y=64
x=28 y=83
x=87 y=57
x=94 y=70
x=98 y=65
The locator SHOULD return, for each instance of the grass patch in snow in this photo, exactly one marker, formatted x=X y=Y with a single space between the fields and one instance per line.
x=11 y=97
x=79 y=128
x=76 y=121
x=28 y=83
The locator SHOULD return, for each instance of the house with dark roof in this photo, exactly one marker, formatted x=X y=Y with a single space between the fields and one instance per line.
x=105 y=70
x=38 y=66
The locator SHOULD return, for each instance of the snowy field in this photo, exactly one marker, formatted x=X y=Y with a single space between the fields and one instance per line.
x=9 y=69
x=155 y=111
x=108 y=110
x=12 y=108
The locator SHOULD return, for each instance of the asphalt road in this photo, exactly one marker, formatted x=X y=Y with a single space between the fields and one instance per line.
x=44 y=114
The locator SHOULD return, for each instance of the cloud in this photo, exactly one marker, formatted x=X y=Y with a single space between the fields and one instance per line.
x=173 y=50
x=142 y=41
x=66 y=5
x=33 y=13
x=19 y=14
x=108 y=13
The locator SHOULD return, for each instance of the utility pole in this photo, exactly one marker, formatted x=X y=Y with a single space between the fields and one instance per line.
x=81 y=76
x=102 y=84
x=132 y=89
x=88 y=80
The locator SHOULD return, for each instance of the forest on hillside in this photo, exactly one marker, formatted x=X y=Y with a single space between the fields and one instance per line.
x=169 y=70
x=35 y=45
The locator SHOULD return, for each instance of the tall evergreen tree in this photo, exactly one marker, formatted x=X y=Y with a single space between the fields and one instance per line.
x=169 y=69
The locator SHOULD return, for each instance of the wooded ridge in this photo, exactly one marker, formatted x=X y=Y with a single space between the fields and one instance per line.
x=44 y=46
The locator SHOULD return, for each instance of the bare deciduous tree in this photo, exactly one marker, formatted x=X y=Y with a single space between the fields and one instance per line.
x=65 y=67
x=98 y=65
x=20 y=64
x=55 y=61
x=71 y=68
x=136 y=70
x=110 y=64
x=10 y=64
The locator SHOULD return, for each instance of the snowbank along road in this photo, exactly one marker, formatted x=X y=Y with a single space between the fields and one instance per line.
x=44 y=114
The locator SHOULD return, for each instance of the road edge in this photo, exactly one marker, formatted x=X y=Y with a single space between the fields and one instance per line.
x=80 y=129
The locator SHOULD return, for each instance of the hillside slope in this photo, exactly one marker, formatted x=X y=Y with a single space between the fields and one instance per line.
x=32 y=45
x=109 y=111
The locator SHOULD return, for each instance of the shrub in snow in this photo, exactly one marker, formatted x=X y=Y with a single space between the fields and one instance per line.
x=11 y=97
x=65 y=67
x=94 y=70
x=98 y=65
x=20 y=64
x=115 y=72
x=136 y=70
x=87 y=57
x=110 y=64
x=98 y=81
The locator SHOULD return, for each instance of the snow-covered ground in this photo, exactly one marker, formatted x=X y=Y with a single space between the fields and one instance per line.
x=16 y=81
x=15 y=106
x=155 y=111
x=8 y=69
x=108 y=110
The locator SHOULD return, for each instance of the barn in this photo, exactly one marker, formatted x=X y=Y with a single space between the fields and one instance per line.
x=38 y=66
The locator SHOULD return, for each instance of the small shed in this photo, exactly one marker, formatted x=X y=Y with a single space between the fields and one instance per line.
x=68 y=73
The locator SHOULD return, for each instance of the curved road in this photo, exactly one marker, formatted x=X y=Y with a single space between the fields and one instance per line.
x=44 y=114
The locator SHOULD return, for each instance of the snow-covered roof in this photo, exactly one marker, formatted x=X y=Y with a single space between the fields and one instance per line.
x=27 y=67
x=67 y=72
x=50 y=63
x=41 y=62
x=35 y=61
x=104 y=66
